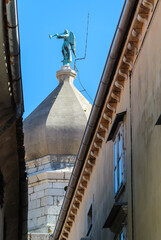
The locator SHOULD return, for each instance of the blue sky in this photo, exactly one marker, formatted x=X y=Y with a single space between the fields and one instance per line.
x=41 y=57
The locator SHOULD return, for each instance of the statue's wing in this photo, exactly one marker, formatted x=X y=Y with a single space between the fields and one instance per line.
x=72 y=43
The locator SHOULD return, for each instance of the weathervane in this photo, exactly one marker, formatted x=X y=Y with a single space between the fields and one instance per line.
x=68 y=45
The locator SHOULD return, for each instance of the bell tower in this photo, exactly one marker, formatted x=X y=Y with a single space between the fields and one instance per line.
x=53 y=133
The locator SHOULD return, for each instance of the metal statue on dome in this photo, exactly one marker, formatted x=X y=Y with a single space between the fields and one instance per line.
x=68 y=45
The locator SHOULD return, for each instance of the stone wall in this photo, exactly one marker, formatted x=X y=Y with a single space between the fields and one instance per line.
x=38 y=236
x=47 y=178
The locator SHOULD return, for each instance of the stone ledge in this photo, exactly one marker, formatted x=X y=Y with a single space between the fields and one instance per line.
x=50 y=158
x=38 y=236
x=49 y=175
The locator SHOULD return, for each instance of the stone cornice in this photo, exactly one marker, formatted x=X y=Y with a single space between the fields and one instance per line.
x=50 y=158
x=48 y=175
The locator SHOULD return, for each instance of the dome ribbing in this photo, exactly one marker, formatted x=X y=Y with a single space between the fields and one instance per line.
x=56 y=126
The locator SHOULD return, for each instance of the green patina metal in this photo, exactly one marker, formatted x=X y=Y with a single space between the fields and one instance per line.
x=68 y=46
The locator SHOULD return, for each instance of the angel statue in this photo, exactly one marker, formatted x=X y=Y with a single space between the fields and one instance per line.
x=68 y=45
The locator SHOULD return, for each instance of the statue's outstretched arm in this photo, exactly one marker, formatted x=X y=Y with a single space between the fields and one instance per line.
x=62 y=35
x=51 y=36
x=59 y=35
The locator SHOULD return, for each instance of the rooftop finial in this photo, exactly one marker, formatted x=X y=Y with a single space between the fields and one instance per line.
x=68 y=45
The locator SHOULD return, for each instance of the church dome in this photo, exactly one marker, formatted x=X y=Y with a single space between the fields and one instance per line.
x=56 y=126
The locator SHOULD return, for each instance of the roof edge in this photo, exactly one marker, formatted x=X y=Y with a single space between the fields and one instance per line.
x=13 y=43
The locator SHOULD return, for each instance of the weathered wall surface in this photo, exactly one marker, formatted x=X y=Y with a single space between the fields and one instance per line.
x=47 y=178
x=146 y=108
x=9 y=168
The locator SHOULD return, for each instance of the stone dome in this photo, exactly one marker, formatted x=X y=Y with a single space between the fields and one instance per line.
x=56 y=126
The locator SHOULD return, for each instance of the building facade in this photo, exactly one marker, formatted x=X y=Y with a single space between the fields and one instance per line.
x=114 y=190
x=53 y=132
x=13 y=179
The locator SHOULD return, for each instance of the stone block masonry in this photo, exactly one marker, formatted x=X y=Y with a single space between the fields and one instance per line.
x=38 y=236
x=47 y=179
